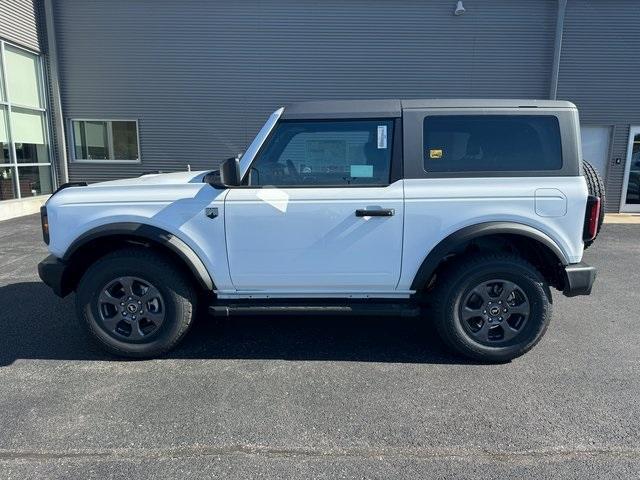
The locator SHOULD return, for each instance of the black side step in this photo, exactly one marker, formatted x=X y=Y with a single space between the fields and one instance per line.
x=355 y=309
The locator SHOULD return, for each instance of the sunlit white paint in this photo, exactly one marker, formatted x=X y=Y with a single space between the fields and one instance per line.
x=315 y=242
x=277 y=198
x=435 y=208
x=172 y=202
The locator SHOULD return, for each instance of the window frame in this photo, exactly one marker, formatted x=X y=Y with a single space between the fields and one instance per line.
x=414 y=141
x=109 y=121
x=6 y=102
x=395 y=166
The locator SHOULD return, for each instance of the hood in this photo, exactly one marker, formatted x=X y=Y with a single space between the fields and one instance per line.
x=175 y=178
x=153 y=188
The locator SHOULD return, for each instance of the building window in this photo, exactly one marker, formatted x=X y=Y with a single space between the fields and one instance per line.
x=105 y=141
x=25 y=162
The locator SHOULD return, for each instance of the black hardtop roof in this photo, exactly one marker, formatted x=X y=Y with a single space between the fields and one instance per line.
x=390 y=108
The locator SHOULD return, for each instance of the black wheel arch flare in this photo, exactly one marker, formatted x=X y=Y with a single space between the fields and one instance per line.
x=461 y=237
x=132 y=231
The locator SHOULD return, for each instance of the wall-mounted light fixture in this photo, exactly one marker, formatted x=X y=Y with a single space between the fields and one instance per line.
x=459 y=8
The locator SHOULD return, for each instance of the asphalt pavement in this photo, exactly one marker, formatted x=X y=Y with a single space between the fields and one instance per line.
x=320 y=397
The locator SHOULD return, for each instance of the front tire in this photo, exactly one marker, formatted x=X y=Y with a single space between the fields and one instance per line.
x=135 y=303
x=491 y=307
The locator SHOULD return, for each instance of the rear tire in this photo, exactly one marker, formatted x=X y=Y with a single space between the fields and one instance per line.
x=491 y=307
x=135 y=303
x=595 y=186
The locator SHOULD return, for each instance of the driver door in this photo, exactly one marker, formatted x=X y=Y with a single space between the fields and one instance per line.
x=320 y=212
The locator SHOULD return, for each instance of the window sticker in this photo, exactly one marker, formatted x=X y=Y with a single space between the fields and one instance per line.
x=361 y=171
x=382 y=137
x=435 y=153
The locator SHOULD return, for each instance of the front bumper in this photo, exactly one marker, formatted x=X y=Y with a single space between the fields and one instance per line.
x=53 y=273
x=578 y=279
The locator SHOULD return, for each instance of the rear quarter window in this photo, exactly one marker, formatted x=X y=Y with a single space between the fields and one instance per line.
x=491 y=143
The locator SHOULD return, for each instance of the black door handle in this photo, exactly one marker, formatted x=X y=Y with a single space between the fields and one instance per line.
x=380 y=212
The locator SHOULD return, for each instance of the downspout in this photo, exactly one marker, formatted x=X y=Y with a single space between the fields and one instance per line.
x=56 y=107
x=555 y=71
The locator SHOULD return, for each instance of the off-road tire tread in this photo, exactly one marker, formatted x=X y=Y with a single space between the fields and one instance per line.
x=443 y=304
x=172 y=279
x=595 y=186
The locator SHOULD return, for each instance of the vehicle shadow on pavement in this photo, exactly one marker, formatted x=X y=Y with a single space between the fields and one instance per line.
x=35 y=324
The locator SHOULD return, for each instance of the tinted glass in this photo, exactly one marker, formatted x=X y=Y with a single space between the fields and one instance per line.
x=7 y=183
x=34 y=180
x=4 y=135
x=90 y=140
x=633 y=187
x=105 y=140
x=491 y=143
x=125 y=140
x=326 y=153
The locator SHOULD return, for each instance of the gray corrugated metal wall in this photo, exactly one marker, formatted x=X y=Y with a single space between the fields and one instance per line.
x=599 y=72
x=18 y=23
x=202 y=76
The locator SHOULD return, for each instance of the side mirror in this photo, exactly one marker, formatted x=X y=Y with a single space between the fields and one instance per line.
x=230 y=172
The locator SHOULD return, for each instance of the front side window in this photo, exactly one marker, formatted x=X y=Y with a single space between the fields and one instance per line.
x=325 y=153
x=491 y=143
x=105 y=140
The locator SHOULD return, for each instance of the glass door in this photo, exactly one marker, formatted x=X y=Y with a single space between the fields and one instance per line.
x=631 y=192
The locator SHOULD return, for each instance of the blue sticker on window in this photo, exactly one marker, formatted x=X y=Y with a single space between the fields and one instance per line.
x=362 y=171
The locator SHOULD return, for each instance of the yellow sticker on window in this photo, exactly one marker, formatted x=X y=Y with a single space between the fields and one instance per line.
x=435 y=153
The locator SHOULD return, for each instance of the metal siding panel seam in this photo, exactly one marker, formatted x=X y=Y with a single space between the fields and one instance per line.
x=202 y=77
x=600 y=76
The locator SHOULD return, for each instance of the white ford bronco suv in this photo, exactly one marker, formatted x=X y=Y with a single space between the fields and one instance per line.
x=465 y=212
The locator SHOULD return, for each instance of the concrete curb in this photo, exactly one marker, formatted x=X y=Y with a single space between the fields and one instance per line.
x=21 y=207
x=628 y=218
